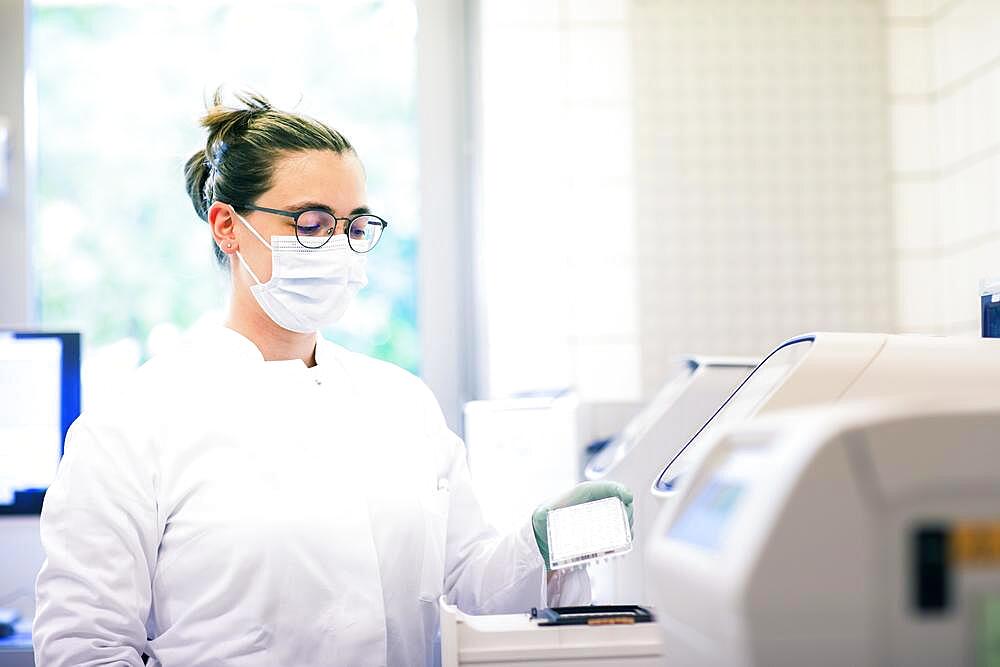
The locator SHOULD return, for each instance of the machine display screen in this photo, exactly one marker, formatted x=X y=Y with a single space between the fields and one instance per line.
x=703 y=522
x=741 y=405
x=642 y=422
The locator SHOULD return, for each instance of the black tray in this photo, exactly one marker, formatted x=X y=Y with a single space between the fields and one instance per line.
x=615 y=614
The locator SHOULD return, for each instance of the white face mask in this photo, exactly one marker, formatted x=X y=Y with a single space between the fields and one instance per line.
x=309 y=288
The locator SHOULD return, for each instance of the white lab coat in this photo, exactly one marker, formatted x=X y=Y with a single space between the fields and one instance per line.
x=224 y=510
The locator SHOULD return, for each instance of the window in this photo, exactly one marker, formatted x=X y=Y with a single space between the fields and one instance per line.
x=559 y=262
x=119 y=252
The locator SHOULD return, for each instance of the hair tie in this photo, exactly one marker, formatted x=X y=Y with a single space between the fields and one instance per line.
x=218 y=153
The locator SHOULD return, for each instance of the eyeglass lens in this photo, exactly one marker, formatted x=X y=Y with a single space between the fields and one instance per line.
x=314 y=228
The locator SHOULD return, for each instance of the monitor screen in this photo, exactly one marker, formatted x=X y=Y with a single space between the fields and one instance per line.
x=39 y=399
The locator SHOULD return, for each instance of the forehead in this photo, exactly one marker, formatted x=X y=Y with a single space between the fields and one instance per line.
x=334 y=179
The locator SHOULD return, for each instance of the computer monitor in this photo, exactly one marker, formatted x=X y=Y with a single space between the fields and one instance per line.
x=39 y=399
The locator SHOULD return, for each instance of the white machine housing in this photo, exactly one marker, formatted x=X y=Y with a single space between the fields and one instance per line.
x=515 y=640
x=793 y=540
x=690 y=396
x=830 y=367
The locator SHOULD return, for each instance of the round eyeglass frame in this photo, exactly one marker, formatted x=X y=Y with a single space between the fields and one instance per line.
x=294 y=215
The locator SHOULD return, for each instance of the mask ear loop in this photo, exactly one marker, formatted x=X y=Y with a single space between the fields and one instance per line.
x=254 y=231
x=246 y=266
x=259 y=238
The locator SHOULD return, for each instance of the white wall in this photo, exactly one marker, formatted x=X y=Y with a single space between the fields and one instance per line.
x=762 y=169
x=945 y=97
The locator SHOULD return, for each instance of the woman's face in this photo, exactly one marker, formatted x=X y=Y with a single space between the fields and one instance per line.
x=301 y=180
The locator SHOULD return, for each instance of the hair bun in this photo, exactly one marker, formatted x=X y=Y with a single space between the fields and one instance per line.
x=227 y=124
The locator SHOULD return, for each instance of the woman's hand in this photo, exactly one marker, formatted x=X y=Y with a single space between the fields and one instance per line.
x=584 y=492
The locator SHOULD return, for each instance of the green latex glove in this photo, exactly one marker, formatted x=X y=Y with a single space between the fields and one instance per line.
x=584 y=492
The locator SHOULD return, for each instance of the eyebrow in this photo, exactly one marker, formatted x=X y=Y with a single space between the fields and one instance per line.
x=303 y=205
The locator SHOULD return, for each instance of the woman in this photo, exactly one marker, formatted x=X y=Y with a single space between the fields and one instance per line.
x=262 y=496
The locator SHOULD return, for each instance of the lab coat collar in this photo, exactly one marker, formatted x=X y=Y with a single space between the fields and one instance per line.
x=240 y=347
x=326 y=352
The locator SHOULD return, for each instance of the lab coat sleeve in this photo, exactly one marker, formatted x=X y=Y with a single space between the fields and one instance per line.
x=98 y=529
x=486 y=573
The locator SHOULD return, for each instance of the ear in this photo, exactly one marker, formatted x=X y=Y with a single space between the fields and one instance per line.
x=222 y=220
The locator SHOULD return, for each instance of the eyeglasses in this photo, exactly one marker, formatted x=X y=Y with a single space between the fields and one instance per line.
x=314 y=227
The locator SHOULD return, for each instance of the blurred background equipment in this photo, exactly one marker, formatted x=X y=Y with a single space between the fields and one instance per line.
x=989 y=300
x=39 y=399
x=692 y=393
x=521 y=452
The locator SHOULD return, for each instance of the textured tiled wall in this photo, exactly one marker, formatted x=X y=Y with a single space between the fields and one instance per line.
x=761 y=162
x=944 y=64
x=672 y=176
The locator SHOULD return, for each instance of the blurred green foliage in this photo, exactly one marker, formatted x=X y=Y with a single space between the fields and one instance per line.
x=120 y=87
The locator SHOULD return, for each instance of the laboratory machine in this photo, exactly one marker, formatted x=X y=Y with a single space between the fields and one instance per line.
x=519 y=640
x=694 y=390
x=830 y=367
x=860 y=534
